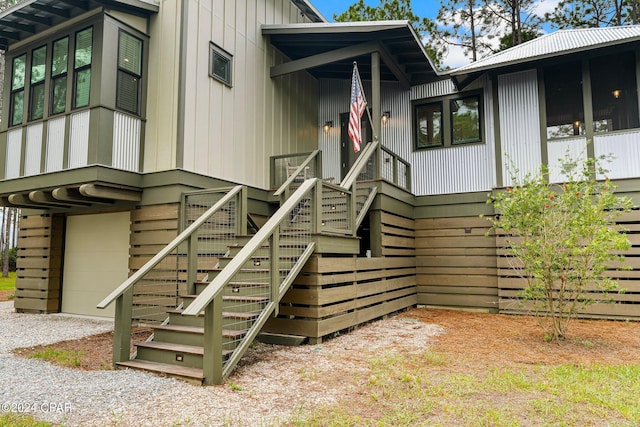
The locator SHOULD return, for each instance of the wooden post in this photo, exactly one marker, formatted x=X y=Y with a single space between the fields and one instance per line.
x=192 y=263
x=376 y=108
x=242 y=211
x=122 y=327
x=274 y=268
x=212 y=358
x=317 y=205
x=375 y=229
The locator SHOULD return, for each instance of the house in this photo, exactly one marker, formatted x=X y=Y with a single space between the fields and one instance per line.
x=188 y=164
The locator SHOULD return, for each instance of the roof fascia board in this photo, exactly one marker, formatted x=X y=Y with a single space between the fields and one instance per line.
x=333 y=27
x=324 y=58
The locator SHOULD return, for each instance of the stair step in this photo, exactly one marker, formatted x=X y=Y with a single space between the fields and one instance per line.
x=243 y=316
x=180 y=328
x=183 y=372
x=172 y=347
x=244 y=298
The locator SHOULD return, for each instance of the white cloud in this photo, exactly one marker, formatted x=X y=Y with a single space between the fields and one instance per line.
x=455 y=58
x=545 y=6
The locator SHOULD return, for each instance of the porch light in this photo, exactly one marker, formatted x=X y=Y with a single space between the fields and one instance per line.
x=385 y=117
x=616 y=93
x=327 y=125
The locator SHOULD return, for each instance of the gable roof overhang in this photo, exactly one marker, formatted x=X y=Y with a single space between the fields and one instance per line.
x=308 y=10
x=329 y=50
x=563 y=43
x=31 y=17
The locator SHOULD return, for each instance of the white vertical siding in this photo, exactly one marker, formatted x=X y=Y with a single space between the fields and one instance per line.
x=79 y=139
x=625 y=150
x=230 y=132
x=437 y=171
x=33 y=149
x=14 y=153
x=126 y=142
x=519 y=123
x=55 y=145
x=575 y=148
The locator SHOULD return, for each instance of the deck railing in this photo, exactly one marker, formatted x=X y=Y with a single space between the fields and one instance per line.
x=288 y=171
x=251 y=285
x=160 y=284
x=395 y=169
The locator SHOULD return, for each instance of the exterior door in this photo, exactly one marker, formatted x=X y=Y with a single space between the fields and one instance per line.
x=347 y=156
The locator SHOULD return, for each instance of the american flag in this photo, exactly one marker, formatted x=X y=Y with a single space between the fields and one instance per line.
x=358 y=105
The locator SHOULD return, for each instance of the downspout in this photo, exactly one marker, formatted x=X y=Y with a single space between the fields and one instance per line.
x=182 y=71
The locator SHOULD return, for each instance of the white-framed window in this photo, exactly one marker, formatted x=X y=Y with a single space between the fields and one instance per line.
x=220 y=62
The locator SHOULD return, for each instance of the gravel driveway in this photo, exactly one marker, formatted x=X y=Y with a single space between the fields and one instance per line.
x=273 y=383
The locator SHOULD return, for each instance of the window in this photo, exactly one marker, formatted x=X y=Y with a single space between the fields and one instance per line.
x=448 y=121
x=563 y=97
x=17 y=89
x=129 y=73
x=82 y=68
x=59 y=62
x=220 y=64
x=465 y=120
x=36 y=93
x=428 y=119
x=614 y=92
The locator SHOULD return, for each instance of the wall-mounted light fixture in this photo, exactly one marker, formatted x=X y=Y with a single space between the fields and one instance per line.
x=385 y=117
x=327 y=125
x=616 y=93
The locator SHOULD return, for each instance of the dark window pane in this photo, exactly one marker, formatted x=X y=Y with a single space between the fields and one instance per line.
x=60 y=56
x=465 y=120
x=83 y=87
x=36 y=106
x=127 y=96
x=130 y=54
x=428 y=125
x=17 y=79
x=83 y=47
x=17 y=106
x=615 y=97
x=563 y=98
x=59 y=95
x=219 y=64
x=38 y=58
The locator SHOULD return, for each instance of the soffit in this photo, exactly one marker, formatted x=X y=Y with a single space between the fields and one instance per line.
x=34 y=16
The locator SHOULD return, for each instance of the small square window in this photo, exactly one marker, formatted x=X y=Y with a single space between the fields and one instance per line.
x=220 y=64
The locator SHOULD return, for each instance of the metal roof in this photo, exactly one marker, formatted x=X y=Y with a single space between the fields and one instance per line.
x=550 y=45
x=34 y=16
x=402 y=53
x=309 y=10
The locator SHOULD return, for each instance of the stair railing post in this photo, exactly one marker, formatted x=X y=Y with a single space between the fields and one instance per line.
x=242 y=212
x=353 y=208
x=274 y=268
x=122 y=327
x=192 y=263
x=212 y=357
x=317 y=206
x=396 y=168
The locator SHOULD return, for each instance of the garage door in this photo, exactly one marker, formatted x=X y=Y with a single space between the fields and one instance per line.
x=95 y=261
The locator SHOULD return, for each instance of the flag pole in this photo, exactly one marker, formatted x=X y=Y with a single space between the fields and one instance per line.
x=373 y=128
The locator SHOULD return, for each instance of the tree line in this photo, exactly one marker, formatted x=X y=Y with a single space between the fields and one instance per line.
x=481 y=27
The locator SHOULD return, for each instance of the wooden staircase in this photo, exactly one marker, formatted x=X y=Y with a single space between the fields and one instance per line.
x=177 y=346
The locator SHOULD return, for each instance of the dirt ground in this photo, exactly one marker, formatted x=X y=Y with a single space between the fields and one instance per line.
x=473 y=340
x=4 y=295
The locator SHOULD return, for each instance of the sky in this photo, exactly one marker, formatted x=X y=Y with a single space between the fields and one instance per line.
x=422 y=8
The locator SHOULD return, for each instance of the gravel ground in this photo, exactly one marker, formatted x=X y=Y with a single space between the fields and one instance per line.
x=272 y=384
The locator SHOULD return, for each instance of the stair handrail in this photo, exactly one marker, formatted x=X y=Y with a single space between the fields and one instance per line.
x=217 y=285
x=135 y=277
x=396 y=178
x=359 y=164
x=297 y=172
